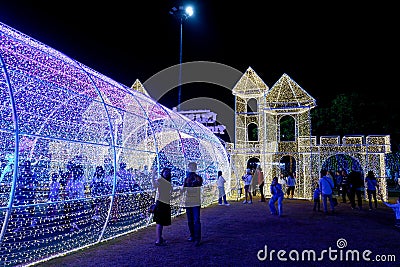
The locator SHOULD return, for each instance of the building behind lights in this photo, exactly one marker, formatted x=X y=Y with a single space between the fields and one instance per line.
x=205 y=117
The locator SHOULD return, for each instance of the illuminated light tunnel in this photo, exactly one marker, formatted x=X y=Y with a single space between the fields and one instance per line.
x=77 y=150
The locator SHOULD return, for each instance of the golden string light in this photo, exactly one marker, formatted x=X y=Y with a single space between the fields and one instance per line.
x=286 y=99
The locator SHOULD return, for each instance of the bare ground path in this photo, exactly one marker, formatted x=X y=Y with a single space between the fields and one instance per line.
x=233 y=235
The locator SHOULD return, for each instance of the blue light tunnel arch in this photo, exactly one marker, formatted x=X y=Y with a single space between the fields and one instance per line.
x=62 y=120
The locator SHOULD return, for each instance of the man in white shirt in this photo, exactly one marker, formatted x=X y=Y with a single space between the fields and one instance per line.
x=221 y=189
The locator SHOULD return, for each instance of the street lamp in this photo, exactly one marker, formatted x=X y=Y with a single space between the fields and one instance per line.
x=181 y=14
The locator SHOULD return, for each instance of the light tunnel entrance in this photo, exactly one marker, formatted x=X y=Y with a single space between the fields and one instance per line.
x=77 y=153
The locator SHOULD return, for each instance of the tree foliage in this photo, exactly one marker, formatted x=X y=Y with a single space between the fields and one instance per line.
x=287 y=129
x=353 y=113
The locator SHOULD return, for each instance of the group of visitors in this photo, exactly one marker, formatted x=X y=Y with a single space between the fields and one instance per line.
x=253 y=180
x=349 y=186
x=66 y=191
x=192 y=192
x=276 y=188
x=193 y=182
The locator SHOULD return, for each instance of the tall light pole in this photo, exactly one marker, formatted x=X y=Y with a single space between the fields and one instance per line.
x=181 y=13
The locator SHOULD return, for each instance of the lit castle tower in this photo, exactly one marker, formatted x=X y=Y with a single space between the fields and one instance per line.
x=249 y=94
x=273 y=130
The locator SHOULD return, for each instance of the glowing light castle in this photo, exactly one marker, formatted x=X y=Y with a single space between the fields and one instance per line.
x=77 y=151
x=273 y=128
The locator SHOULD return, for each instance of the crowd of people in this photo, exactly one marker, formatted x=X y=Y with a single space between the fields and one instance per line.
x=71 y=187
x=324 y=189
x=348 y=186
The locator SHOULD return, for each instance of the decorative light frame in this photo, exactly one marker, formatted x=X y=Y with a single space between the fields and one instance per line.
x=57 y=113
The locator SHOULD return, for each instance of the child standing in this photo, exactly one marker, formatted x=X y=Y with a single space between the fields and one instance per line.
x=247 y=182
x=396 y=209
x=317 y=199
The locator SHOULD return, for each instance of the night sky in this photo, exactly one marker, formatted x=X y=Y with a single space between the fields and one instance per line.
x=326 y=48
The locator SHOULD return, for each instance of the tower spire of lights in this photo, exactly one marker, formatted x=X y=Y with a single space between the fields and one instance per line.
x=181 y=13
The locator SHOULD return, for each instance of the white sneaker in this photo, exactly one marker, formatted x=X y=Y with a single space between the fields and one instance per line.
x=220 y=204
x=227 y=204
x=244 y=202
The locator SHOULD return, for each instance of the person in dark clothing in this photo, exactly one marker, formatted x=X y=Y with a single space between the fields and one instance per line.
x=291 y=184
x=372 y=186
x=260 y=179
x=344 y=186
x=356 y=185
x=317 y=198
x=276 y=196
x=162 y=213
x=192 y=189
x=25 y=195
x=97 y=186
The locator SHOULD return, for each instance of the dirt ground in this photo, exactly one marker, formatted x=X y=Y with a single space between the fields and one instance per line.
x=234 y=236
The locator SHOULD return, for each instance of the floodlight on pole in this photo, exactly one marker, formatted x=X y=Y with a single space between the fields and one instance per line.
x=181 y=14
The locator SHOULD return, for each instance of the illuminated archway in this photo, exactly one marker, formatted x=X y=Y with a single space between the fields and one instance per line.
x=78 y=150
x=288 y=164
x=340 y=162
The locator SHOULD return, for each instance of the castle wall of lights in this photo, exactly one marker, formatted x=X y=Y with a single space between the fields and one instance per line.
x=77 y=151
x=287 y=99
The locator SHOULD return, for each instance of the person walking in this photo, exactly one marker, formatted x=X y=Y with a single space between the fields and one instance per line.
x=372 y=187
x=221 y=189
x=276 y=196
x=260 y=178
x=326 y=185
x=247 y=182
x=192 y=187
x=162 y=213
x=291 y=184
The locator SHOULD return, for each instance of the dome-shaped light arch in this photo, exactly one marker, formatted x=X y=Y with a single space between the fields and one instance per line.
x=67 y=119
